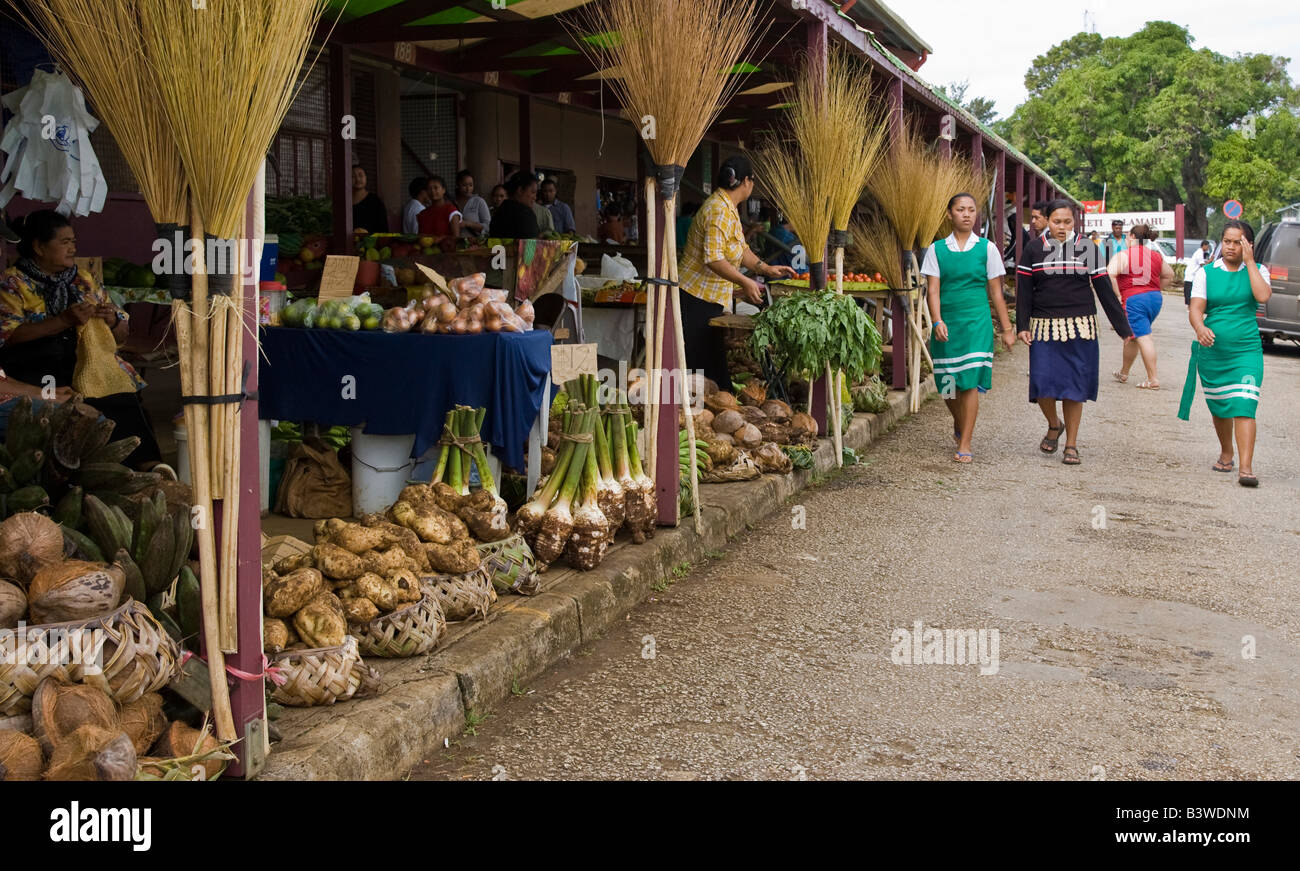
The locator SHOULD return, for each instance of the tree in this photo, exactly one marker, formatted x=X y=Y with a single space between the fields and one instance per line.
x=1259 y=165
x=1141 y=113
x=984 y=109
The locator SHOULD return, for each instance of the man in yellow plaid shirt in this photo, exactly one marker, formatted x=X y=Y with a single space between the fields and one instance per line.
x=710 y=268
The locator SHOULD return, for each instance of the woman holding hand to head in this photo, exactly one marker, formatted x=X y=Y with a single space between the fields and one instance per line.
x=1140 y=274
x=1227 y=353
x=1056 y=315
x=963 y=274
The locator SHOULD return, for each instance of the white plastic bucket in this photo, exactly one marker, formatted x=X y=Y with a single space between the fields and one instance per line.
x=381 y=466
x=182 y=453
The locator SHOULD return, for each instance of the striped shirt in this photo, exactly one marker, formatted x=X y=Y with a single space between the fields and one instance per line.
x=716 y=234
x=1057 y=280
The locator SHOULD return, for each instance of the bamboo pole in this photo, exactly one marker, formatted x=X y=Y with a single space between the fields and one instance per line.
x=835 y=406
x=670 y=257
x=229 y=413
x=201 y=469
x=654 y=344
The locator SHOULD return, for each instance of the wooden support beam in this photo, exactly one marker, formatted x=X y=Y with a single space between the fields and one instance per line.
x=1021 y=209
x=998 y=235
x=526 y=134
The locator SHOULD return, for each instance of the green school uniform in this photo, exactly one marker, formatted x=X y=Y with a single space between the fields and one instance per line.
x=1232 y=369
x=965 y=361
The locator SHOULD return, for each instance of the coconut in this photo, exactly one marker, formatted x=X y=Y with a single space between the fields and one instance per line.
x=179 y=741
x=720 y=401
x=804 y=425
x=93 y=753
x=16 y=722
x=60 y=708
x=771 y=458
x=28 y=543
x=21 y=758
x=722 y=454
x=778 y=433
x=753 y=394
x=753 y=414
x=777 y=410
x=748 y=436
x=143 y=720
x=723 y=439
x=74 y=590
x=13 y=605
x=727 y=422
x=703 y=418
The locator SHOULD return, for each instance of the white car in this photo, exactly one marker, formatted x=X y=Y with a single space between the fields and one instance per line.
x=1167 y=248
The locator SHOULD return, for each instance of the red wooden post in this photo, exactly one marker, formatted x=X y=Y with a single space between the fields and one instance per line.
x=1018 y=229
x=817 y=56
x=1180 y=229
x=340 y=77
x=1000 y=203
x=667 y=471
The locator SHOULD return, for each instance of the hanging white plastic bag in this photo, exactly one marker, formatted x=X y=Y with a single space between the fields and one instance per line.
x=618 y=267
x=50 y=158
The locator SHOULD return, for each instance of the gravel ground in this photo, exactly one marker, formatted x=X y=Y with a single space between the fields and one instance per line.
x=1123 y=650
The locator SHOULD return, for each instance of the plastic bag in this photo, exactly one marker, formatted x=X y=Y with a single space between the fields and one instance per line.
x=617 y=267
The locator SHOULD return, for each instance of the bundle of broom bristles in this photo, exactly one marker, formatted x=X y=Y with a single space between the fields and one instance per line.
x=598 y=485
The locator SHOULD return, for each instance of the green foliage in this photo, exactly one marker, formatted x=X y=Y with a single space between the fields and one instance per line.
x=298 y=215
x=800 y=456
x=984 y=109
x=808 y=330
x=1143 y=113
x=1262 y=171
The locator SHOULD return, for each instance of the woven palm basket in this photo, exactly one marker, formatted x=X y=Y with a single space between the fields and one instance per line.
x=126 y=653
x=512 y=565
x=323 y=676
x=408 y=631
x=463 y=596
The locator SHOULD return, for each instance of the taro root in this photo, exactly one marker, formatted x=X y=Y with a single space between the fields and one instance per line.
x=321 y=623
x=407 y=585
x=13 y=605
x=590 y=538
x=143 y=720
x=21 y=758
x=335 y=562
x=446 y=497
x=384 y=562
x=28 y=543
x=93 y=753
x=432 y=524
x=360 y=611
x=548 y=460
x=404 y=538
x=376 y=589
x=285 y=596
x=74 y=590
x=59 y=709
x=456 y=558
x=359 y=539
x=275 y=635
x=722 y=454
x=293 y=562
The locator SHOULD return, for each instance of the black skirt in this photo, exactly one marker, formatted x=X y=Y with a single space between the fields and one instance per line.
x=705 y=350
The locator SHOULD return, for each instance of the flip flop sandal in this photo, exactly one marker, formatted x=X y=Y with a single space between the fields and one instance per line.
x=1248 y=481
x=962 y=458
x=1120 y=377
x=1070 y=457
x=1147 y=385
x=1221 y=467
x=1049 y=443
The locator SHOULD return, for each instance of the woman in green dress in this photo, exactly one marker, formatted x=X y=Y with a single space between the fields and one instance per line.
x=1227 y=354
x=963 y=274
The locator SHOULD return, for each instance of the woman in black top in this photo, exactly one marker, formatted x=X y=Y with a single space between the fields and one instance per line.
x=1057 y=318
x=368 y=212
x=514 y=218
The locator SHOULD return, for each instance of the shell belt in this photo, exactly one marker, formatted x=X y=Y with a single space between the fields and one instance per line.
x=1063 y=329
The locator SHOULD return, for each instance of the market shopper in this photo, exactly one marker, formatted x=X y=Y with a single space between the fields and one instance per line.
x=44 y=297
x=419 y=201
x=496 y=197
x=963 y=274
x=1056 y=317
x=1227 y=354
x=611 y=229
x=1116 y=243
x=1140 y=274
x=710 y=268
x=441 y=218
x=1202 y=257
x=368 y=212
x=514 y=218
x=562 y=215
x=475 y=215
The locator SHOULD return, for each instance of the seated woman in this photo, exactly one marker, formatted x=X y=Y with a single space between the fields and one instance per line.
x=43 y=299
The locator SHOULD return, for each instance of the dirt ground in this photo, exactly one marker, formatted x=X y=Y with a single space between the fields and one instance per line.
x=1146 y=611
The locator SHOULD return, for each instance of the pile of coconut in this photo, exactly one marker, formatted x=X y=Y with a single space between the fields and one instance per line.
x=751 y=430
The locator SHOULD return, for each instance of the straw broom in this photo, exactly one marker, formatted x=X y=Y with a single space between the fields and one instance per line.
x=100 y=43
x=674 y=59
x=223 y=152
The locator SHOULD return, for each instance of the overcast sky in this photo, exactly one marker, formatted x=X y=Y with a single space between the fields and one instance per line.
x=992 y=44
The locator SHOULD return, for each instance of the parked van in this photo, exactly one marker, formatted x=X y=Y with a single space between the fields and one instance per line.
x=1278 y=247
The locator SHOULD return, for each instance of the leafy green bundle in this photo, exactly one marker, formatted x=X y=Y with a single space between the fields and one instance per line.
x=807 y=331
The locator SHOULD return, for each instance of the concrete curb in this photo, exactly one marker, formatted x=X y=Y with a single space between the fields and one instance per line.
x=427 y=699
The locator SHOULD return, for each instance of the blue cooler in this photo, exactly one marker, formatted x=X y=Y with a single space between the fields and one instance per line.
x=270 y=258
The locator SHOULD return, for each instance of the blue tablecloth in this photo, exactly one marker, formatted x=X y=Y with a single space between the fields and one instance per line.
x=406 y=383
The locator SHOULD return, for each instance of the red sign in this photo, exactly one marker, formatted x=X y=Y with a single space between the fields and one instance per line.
x=1093 y=207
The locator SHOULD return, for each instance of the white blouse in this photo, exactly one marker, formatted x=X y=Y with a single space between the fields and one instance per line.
x=1198 y=281
x=994 y=268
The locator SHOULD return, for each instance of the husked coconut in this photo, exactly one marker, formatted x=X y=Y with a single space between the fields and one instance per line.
x=727 y=422
x=748 y=436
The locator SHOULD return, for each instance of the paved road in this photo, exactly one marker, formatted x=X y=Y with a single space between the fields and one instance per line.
x=1120 y=650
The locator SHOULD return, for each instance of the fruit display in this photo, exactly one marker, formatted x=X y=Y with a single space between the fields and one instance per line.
x=351 y=314
x=468 y=307
x=853 y=281
x=123 y=273
x=78 y=733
